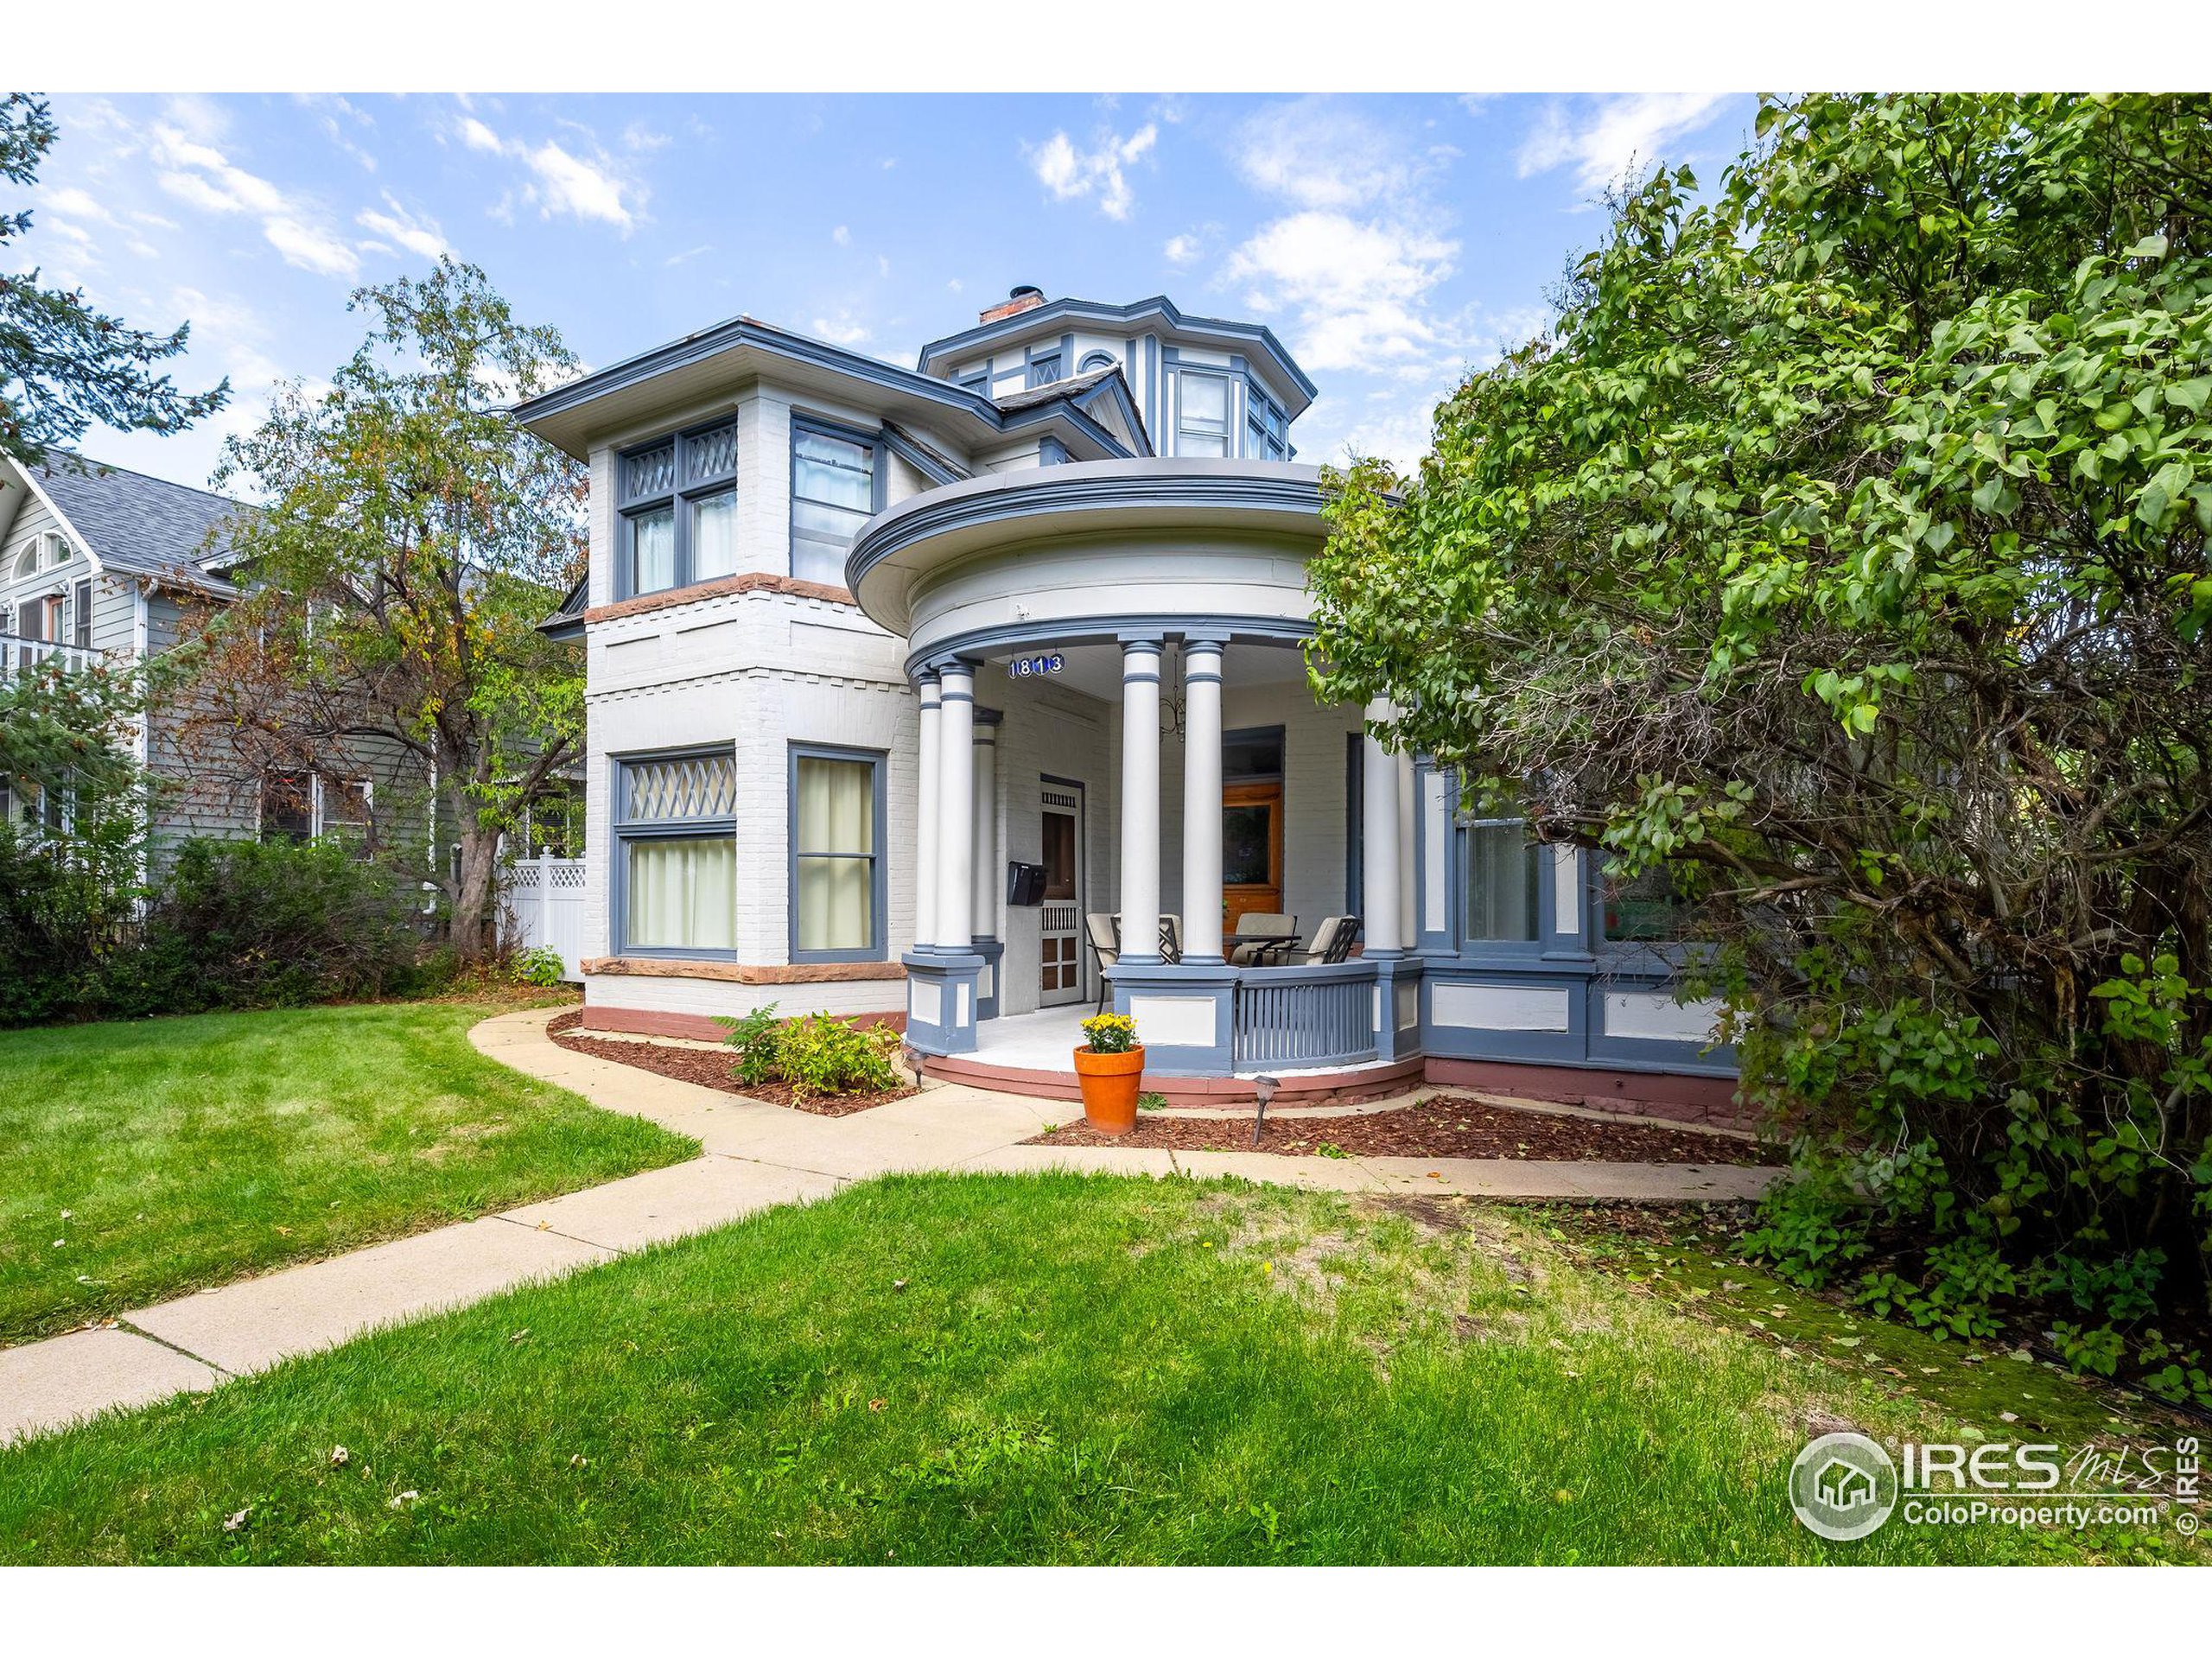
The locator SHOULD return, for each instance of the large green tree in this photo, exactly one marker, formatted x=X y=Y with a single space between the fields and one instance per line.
x=1842 y=553
x=63 y=365
x=413 y=537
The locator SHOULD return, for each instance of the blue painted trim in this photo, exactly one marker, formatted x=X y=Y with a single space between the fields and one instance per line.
x=1095 y=360
x=1170 y=487
x=936 y=470
x=953 y=971
x=993 y=954
x=1052 y=311
x=1131 y=976
x=744 y=333
x=1112 y=630
x=878 y=948
x=1051 y=452
x=679 y=495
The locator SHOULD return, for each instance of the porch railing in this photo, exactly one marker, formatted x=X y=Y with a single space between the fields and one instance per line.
x=19 y=655
x=1307 y=1016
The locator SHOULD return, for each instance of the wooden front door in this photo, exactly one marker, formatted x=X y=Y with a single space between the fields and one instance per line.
x=1251 y=849
x=1062 y=948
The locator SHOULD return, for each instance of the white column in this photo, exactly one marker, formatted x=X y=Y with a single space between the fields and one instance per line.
x=1140 y=800
x=925 y=820
x=1201 y=800
x=983 y=895
x=956 y=797
x=1379 y=898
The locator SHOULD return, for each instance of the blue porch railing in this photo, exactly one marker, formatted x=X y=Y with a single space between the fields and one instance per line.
x=1309 y=1016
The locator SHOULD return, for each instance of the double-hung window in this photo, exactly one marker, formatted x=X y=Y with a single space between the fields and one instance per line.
x=835 y=488
x=676 y=499
x=1499 y=879
x=836 y=855
x=1201 y=414
x=1264 y=435
x=676 y=854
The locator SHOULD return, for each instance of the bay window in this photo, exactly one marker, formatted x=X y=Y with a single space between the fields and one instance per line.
x=836 y=855
x=676 y=505
x=676 y=854
x=835 y=488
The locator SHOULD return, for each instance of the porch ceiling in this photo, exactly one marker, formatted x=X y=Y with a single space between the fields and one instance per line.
x=1094 y=669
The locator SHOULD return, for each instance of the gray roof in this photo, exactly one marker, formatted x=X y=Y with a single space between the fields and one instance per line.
x=140 y=525
x=1073 y=387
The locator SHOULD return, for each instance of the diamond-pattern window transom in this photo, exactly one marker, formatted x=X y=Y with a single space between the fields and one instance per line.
x=710 y=454
x=651 y=471
x=683 y=789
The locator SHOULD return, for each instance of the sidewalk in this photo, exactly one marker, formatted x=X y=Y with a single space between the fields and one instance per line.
x=755 y=1155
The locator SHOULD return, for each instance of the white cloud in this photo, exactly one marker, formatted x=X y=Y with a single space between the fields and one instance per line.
x=842 y=236
x=1181 y=250
x=418 y=236
x=593 y=186
x=1360 y=288
x=1317 y=153
x=1098 y=172
x=1603 y=138
x=195 y=172
x=689 y=254
x=842 y=332
x=77 y=204
x=640 y=137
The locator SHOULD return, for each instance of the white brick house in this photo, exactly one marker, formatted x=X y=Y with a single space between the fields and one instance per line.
x=899 y=679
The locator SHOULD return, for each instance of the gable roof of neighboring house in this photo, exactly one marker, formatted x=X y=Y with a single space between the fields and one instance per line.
x=939 y=355
x=137 y=525
x=699 y=364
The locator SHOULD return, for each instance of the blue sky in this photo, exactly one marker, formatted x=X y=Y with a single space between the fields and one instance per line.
x=1391 y=241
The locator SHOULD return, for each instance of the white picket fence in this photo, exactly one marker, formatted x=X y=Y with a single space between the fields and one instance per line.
x=545 y=906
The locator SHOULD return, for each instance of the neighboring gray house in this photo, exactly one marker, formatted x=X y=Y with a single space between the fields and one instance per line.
x=100 y=563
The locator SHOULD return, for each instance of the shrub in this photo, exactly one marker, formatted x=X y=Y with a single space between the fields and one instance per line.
x=815 y=1054
x=244 y=924
x=754 y=1038
x=821 y=1054
x=537 y=966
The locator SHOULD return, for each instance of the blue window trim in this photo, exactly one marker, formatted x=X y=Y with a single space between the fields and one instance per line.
x=625 y=831
x=1500 y=952
x=1230 y=414
x=878 y=949
x=1098 y=361
x=678 y=495
x=825 y=427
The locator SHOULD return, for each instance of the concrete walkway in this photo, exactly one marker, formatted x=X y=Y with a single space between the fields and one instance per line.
x=755 y=1155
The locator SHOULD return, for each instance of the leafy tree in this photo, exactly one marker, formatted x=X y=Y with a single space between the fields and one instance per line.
x=414 y=537
x=74 y=837
x=1841 y=554
x=63 y=365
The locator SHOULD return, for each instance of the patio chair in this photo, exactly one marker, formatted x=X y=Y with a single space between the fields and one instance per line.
x=1105 y=932
x=1171 y=938
x=1261 y=932
x=1331 y=941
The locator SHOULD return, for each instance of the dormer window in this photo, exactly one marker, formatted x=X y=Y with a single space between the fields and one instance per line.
x=676 y=498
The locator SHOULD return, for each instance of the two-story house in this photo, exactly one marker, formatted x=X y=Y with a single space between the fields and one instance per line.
x=973 y=696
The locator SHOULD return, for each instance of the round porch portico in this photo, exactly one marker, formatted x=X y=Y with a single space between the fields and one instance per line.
x=1142 y=578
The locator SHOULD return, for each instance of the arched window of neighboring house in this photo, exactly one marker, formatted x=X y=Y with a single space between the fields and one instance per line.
x=1096 y=360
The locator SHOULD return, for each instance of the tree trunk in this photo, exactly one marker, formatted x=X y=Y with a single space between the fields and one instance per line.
x=476 y=922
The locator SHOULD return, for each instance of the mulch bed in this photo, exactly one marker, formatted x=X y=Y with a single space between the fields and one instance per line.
x=708 y=1067
x=1444 y=1126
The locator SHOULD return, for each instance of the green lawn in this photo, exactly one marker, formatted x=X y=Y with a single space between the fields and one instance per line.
x=143 y=1159
x=1009 y=1369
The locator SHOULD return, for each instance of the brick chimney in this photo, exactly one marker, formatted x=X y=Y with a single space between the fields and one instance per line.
x=1024 y=298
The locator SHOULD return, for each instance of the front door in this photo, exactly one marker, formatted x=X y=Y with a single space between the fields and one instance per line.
x=1251 y=849
x=1060 y=970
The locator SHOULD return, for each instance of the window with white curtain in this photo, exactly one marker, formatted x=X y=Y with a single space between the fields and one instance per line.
x=676 y=854
x=832 y=495
x=678 y=497
x=1501 y=876
x=836 y=843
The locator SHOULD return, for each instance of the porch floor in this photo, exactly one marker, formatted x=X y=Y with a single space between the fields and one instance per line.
x=1045 y=1040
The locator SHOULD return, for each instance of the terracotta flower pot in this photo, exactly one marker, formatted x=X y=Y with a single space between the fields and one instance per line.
x=1109 y=1089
